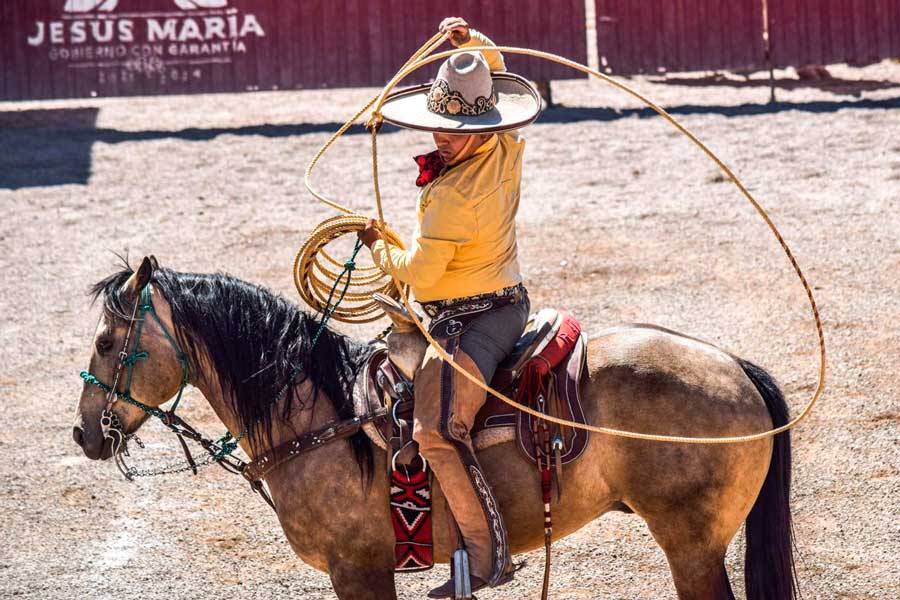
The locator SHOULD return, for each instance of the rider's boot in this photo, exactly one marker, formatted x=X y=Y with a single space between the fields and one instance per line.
x=446 y=589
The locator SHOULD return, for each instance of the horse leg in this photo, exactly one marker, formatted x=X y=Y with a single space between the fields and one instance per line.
x=699 y=574
x=358 y=582
x=697 y=563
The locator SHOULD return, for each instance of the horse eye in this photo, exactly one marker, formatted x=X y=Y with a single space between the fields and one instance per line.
x=104 y=345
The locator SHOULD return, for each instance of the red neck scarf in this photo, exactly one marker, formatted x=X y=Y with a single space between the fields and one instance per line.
x=430 y=167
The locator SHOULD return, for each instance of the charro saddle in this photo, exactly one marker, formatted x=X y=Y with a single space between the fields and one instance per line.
x=543 y=372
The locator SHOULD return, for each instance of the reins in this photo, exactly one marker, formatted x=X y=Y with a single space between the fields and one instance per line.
x=423 y=57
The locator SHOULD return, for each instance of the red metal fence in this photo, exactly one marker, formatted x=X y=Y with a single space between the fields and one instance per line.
x=691 y=35
x=78 y=48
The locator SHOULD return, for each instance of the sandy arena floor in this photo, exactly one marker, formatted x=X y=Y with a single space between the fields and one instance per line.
x=622 y=220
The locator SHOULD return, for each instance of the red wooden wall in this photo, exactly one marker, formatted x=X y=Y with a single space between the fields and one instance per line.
x=285 y=44
x=831 y=31
x=647 y=36
x=678 y=35
x=320 y=43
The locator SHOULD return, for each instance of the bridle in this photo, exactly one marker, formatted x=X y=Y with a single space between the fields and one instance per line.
x=128 y=360
x=219 y=451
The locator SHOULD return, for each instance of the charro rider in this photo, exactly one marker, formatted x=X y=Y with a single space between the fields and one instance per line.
x=462 y=267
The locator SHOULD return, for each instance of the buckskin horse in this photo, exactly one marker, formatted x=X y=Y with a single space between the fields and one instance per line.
x=239 y=344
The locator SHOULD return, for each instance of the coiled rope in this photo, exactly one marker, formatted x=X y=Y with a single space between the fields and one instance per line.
x=424 y=57
x=314 y=273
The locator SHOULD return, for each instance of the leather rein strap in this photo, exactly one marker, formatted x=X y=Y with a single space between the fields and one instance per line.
x=220 y=451
x=256 y=470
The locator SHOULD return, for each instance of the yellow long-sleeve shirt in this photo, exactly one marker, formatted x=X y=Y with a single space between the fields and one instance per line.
x=464 y=242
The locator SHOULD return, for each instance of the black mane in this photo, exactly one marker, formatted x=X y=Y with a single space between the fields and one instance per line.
x=255 y=339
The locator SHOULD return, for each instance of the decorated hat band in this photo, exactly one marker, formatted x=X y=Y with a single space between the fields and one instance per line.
x=444 y=101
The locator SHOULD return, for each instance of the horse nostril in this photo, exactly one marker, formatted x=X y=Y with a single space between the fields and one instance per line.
x=78 y=435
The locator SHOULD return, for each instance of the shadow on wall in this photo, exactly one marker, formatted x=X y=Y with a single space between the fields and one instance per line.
x=53 y=147
x=44 y=147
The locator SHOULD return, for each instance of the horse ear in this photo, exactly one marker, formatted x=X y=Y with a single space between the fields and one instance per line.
x=140 y=278
x=395 y=311
x=154 y=263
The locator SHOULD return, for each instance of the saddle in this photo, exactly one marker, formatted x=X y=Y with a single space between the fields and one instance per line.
x=543 y=372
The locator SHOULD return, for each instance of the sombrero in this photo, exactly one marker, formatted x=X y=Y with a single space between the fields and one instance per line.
x=465 y=98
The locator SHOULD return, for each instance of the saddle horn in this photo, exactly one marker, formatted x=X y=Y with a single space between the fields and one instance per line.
x=396 y=311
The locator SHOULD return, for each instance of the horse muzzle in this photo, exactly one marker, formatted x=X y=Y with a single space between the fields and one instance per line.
x=94 y=447
x=100 y=450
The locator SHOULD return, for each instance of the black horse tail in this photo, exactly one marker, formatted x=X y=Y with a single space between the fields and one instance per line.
x=769 y=570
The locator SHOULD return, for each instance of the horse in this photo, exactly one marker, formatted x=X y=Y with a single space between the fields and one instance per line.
x=239 y=344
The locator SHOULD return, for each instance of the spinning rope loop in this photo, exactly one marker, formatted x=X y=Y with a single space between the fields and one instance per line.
x=424 y=57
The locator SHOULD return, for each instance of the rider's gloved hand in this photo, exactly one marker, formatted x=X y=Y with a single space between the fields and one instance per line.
x=457 y=29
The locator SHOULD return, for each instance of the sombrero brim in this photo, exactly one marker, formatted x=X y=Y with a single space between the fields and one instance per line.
x=518 y=104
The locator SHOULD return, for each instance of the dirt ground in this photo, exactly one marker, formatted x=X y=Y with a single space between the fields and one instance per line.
x=621 y=220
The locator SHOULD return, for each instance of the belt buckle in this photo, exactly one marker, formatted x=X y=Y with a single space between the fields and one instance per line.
x=454 y=326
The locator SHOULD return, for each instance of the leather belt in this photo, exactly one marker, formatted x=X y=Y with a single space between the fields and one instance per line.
x=451 y=317
x=434 y=308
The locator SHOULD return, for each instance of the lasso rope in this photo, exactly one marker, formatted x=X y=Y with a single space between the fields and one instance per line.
x=423 y=57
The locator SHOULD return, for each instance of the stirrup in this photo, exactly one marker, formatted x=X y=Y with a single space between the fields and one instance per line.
x=449 y=590
x=462 y=581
